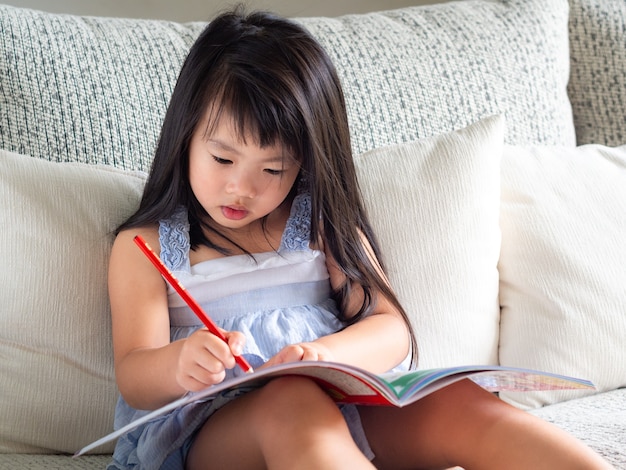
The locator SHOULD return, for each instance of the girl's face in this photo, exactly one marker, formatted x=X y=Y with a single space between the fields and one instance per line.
x=236 y=181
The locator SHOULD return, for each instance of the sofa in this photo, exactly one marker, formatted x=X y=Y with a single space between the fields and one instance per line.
x=489 y=136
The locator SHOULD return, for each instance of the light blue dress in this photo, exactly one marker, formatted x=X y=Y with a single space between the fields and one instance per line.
x=274 y=299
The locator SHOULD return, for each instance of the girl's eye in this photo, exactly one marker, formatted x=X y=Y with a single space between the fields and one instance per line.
x=221 y=161
x=273 y=172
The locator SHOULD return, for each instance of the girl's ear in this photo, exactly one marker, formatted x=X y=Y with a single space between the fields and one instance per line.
x=301 y=184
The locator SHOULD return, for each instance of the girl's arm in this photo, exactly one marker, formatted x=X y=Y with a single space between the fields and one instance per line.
x=150 y=370
x=377 y=343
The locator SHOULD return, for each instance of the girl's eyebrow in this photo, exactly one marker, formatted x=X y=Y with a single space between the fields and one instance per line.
x=229 y=148
x=222 y=145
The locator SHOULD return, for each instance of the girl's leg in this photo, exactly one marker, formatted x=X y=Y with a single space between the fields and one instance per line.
x=464 y=425
x=290 y=423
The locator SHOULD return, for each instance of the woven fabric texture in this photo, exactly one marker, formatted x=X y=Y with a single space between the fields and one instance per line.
x=86 y=89
x=52 y=462
x=421 y=71
x=95 y=90
x=597 y=87
x=597 y=420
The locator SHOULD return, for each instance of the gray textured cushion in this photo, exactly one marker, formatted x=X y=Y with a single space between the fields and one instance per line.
x=598 y=420
x=416 y=72
x=95 y=89
x=52 y=462
x=597 y=86
x=86 y=89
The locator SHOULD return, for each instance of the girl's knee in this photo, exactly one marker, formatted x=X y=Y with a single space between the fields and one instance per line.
x=464 y=393
x=285 y=395
x=294 y=407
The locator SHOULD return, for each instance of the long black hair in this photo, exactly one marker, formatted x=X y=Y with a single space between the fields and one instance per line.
x=279 y=85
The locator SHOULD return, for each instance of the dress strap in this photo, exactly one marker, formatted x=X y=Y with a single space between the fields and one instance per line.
x=297 y=234
x=174 y=241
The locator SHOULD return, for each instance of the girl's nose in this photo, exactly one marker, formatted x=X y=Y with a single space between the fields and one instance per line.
x=242 y=185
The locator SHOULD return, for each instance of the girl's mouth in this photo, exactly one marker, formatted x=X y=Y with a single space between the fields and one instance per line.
x=233 y=213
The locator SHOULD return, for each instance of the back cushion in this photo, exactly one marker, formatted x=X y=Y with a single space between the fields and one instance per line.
x=86 y=89
x=95 y=90
x=597 y=87
x=421 y=71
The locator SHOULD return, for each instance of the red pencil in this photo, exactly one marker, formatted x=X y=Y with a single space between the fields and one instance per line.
x=189 y=300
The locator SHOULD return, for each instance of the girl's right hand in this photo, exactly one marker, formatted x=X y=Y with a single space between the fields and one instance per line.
x=204 y=358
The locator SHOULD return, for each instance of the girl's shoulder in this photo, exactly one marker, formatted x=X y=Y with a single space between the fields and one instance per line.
x=126 y=256
x=125 y=238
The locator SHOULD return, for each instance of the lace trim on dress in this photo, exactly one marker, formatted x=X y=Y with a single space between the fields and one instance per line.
x=174 y=240
x=298 y=229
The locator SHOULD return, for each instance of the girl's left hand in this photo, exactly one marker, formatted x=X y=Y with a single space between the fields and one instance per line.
x=301 y=352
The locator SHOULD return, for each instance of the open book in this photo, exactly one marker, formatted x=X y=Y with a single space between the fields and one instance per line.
x=349 y=384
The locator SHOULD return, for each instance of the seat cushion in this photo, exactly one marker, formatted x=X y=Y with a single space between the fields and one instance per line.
x=598 y=420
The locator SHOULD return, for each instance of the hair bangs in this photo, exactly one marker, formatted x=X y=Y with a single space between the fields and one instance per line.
x=254 y=112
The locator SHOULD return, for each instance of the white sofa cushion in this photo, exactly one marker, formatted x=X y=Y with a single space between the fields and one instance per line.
x=435 y=204
x=94 y=89
x=57 y=391
x=597 y=86
x=57 y=386
x=563 y=265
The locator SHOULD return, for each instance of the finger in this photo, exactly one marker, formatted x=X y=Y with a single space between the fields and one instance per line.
x=200 y=378
x=291 y=353
x=209 y=352
x=309 y=354
x=236 y=341
x=195 y=376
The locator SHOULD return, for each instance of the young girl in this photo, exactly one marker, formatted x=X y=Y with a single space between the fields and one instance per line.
x=253 y=202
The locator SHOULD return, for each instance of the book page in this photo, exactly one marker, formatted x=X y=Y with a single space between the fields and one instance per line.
x=525 y=381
